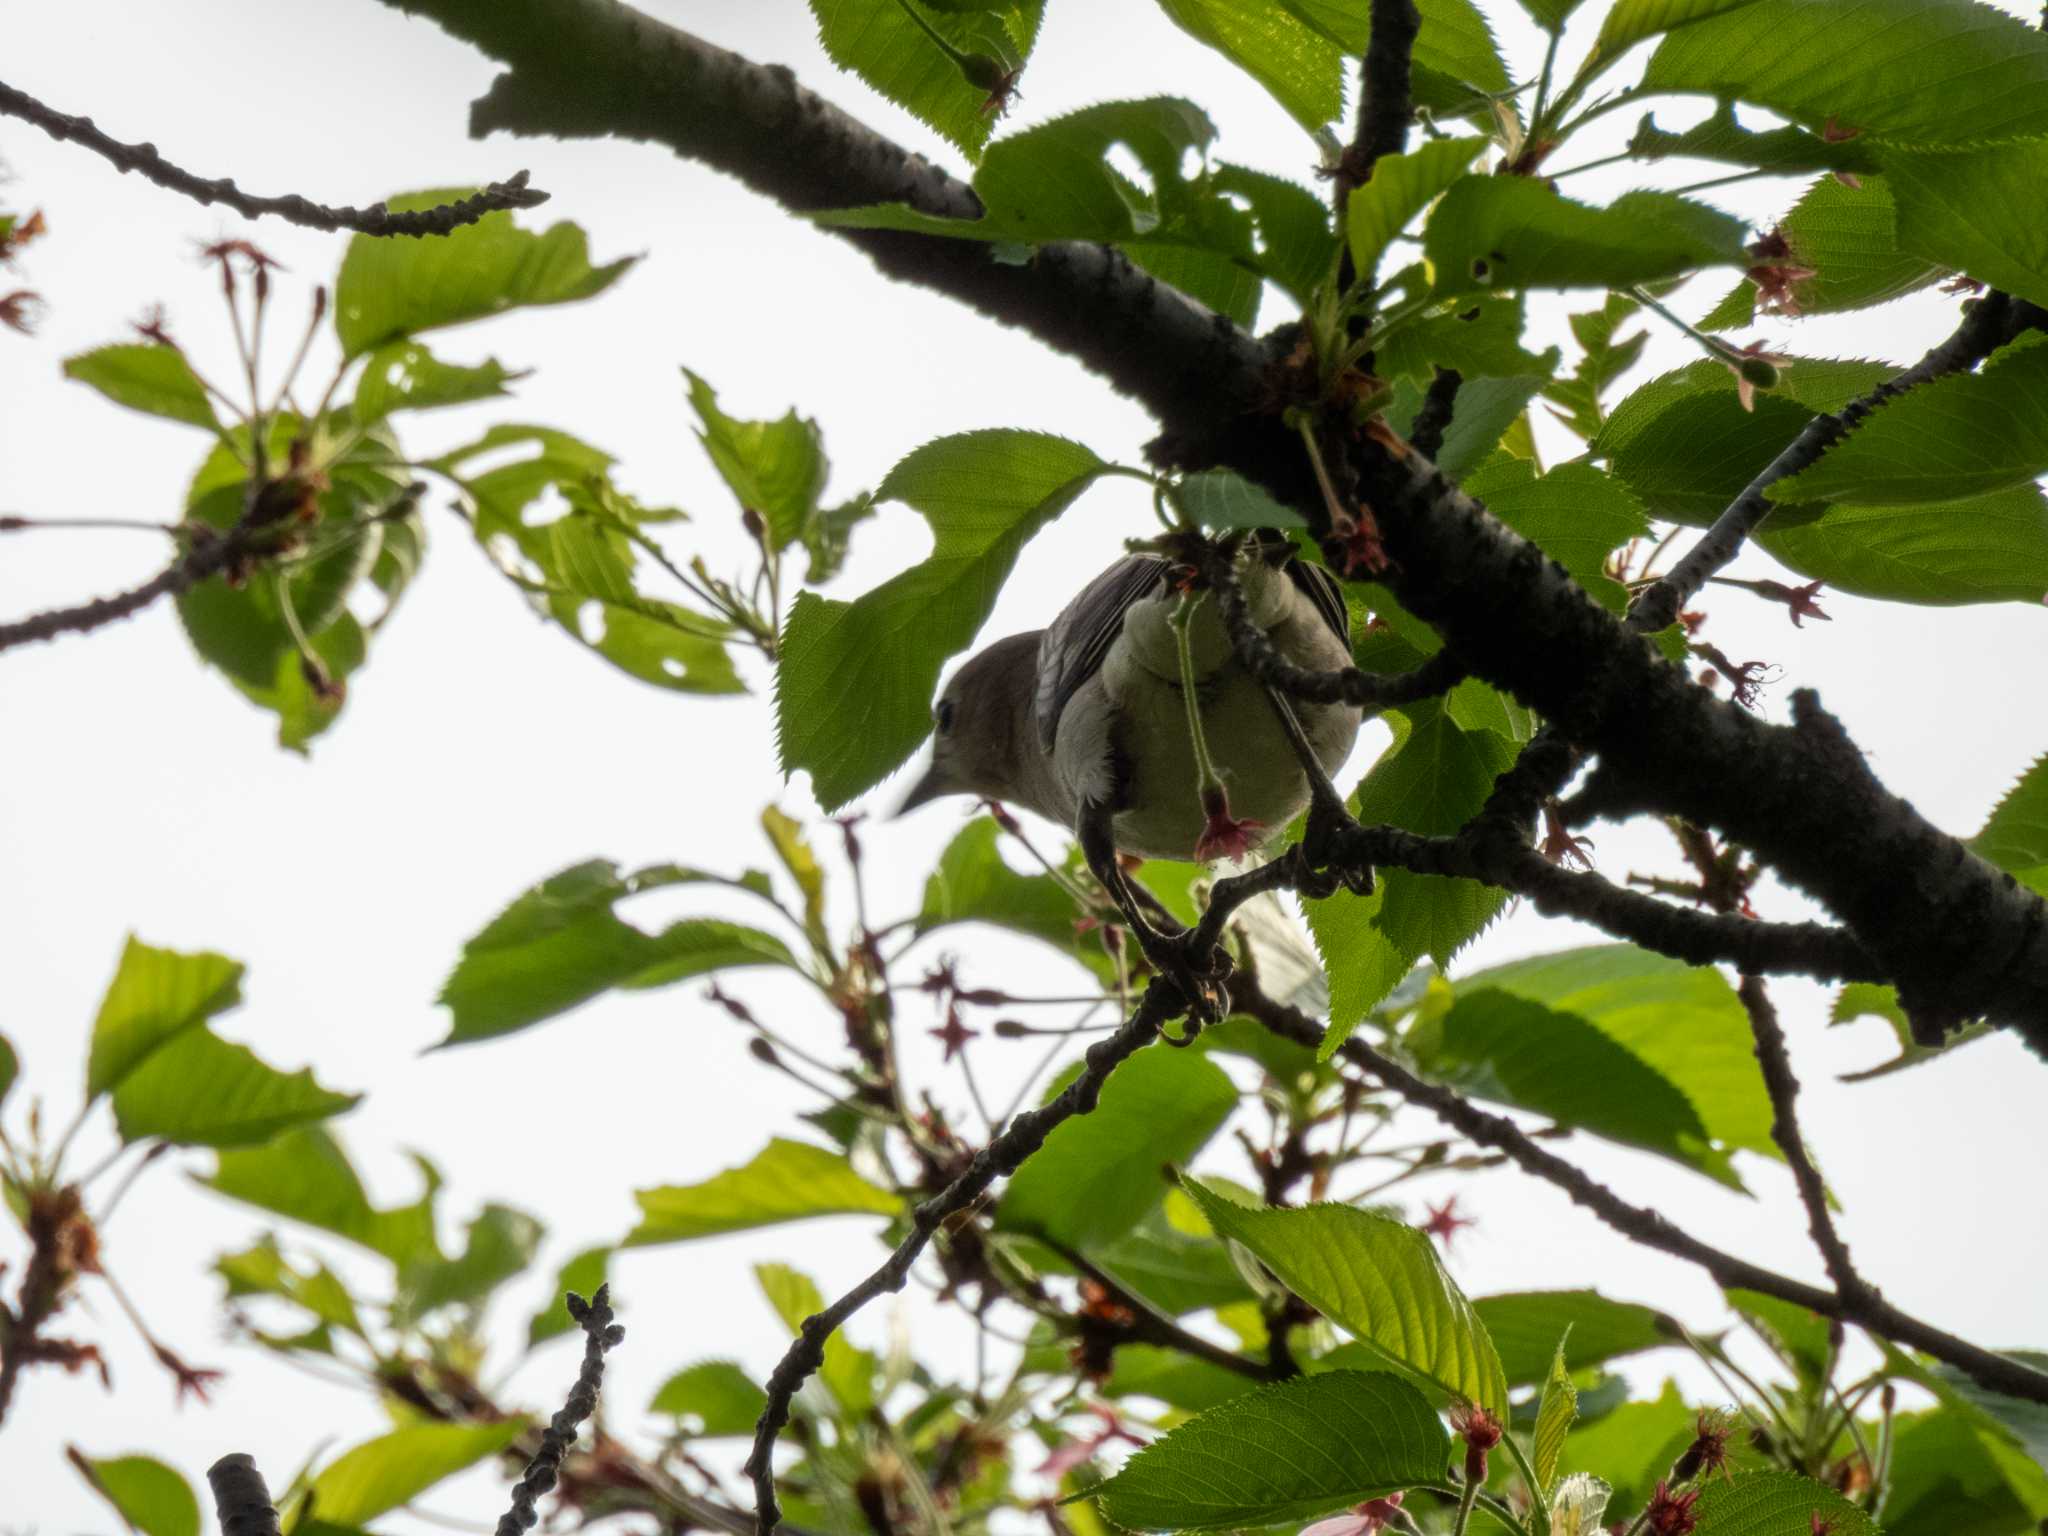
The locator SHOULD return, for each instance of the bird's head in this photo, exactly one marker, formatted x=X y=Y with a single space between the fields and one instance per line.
x=980 y=724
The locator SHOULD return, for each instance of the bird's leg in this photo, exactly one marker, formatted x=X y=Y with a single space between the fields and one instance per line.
x=1322 y=869
x=1166 y=952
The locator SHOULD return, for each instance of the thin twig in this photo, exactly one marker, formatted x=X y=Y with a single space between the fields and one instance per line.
x=600 y=1333
x=206 y=557
x=1783 y=1090
x=1650 y=1228
x=998 y=1159
x=373 y=220
x=1154 y=1327
x=1989 y=324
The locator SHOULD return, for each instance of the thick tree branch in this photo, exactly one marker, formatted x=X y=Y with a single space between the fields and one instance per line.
x=593 y=68
x=1988 y=324
x=1783 y=1089
x=1000 y=1158
x=1642 y=1225
x=241 y=1500
x=373 y=220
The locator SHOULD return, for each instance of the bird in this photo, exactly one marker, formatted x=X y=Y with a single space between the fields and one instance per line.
x=1086 y=722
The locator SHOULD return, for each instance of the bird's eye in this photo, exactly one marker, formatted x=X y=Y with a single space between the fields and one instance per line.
x=942 y=714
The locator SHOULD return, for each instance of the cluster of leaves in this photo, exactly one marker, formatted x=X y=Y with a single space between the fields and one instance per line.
x=292 y=628
x=1122 y=1280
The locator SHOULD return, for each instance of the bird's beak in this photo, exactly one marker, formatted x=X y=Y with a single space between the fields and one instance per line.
x=928 y=788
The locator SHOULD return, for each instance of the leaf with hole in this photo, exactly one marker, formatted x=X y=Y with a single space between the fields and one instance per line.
x=854 y=685
x=1515 y=232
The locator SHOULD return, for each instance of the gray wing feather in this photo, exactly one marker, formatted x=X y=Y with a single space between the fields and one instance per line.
x=1321 y=588
x=1074 y=644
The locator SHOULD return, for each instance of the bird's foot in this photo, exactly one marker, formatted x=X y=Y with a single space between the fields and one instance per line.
x=1322 y=865
x=1199 y=979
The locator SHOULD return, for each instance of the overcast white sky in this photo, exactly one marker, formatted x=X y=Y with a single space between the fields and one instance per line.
x=481 y=751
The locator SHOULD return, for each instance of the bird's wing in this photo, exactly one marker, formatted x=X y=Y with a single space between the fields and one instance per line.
x=1074 y=644
x=1321 y=588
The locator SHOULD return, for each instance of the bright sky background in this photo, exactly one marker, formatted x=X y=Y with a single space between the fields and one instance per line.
x=481 y=750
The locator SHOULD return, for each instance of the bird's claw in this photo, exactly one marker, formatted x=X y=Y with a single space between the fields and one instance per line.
x=1201 y=985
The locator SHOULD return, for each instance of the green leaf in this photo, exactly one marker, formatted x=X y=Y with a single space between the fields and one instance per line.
x=1178 y=1380
x=1173 y=1260
x=10 y=1067
x=1554 y=1416
x=198 y=1090
x=1569 y=1055
x=306 y=1176
x=1847 y=238
x=1480 y=338
x=1954 y=1475
x=1925 y=72
x=582 y=1274
x=1400 y=188
x=261 y=1270
x=1605 y=359
x=875 y=40
x=972 y=884
x=170 y=1077
x=562 y=943
x=2015 y=838
x=1098 y=1174
x=1284 y=1453
x=1630 y=21
x=1295 y=244
x=786 y=1181
x=848 y=1373
x=500 y=1244
x=1723 y=138
x=392 y=288
x=1432 y=780
x=147 y=377
x=774 y=468
x=714 y=1399
x=1860 y=998
x=149 y=1496
x=1968 y=434
x=1797 y=1336
x=1575 y=514
x=405 y=376
x=156 y=995
x=1217 y=498
x=1970 y=211
x=1502 y=232
x=1488 y=411
x=1987 y=549
x=854 y=686
x=1298 y=66
x=1525 y=1327
x=1379 y=1280
x=1777 y=1503
x=786 y=836
x=1684 y=444
x=381 y=1474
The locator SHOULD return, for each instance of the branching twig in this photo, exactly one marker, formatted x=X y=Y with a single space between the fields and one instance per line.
x=373 y=220
x=1650 y=1228
x=1990 y=323
x=600 y=1333
x=241 y=1501
x=1001 y=1157
x=1783 y=1089
x=206 y=557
